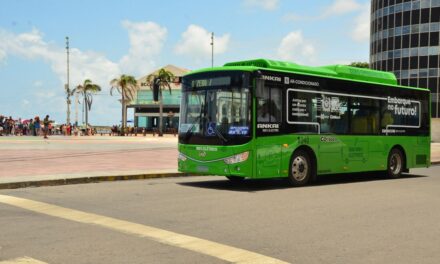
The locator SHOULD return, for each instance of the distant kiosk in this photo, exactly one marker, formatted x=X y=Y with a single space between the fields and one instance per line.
x=264 y=119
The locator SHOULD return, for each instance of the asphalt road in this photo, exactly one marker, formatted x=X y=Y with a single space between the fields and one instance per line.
x=342 y=219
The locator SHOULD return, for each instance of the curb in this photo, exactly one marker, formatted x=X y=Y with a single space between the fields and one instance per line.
x=94 y=179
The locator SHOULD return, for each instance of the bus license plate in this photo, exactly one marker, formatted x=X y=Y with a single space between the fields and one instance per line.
x=202 y=168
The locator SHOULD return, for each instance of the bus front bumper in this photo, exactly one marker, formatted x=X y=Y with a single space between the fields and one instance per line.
x=215 y=167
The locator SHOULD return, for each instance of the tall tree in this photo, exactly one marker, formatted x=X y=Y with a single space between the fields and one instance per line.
x=127 y=86
x=87 y=89
x=161 y=80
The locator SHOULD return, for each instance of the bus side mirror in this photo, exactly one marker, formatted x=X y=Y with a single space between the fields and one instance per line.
x=259 y=89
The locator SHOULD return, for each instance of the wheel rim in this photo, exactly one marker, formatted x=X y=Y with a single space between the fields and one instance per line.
x=300 y=168
x=395 y=163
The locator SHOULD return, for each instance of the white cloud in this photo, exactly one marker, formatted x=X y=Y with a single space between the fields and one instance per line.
x=83 y=65
x=295 y=48
x=264 y=4
x=340 y=7
x=361 y=31
x=146 y=42
x=196 y=43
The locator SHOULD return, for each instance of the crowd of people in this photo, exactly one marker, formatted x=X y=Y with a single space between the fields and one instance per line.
x=10 y=126
x=25 y=127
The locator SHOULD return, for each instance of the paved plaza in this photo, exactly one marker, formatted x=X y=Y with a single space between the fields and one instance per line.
x=33 y=158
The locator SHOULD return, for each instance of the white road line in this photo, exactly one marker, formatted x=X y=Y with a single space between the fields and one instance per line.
x=210 y=248
x=23 y=260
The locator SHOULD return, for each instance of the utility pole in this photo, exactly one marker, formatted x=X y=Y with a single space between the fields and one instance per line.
x=212 y=49
x=67 y=87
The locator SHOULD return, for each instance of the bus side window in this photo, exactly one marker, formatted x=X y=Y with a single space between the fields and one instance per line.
x=364 y=116
x=275 y=96
x=340 y=126
x=387 y=119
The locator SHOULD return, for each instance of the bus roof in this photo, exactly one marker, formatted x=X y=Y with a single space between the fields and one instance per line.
x=341 y=71
x=331 y=71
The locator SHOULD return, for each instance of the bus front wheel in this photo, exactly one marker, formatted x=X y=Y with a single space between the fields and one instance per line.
x=396 y=163
x=300 y=168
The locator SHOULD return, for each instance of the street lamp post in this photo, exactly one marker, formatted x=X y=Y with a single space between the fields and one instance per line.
x=67 y=87
x=212 y=49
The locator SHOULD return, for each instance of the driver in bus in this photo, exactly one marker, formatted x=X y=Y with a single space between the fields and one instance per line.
x=264 y=114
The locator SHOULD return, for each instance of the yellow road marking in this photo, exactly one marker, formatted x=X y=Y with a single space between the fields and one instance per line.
x=23 y=260
x=210 y=248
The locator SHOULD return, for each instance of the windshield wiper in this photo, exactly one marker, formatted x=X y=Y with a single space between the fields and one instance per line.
x=189 y=133
x=220 y=135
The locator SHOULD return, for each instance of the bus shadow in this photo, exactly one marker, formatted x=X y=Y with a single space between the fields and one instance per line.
x=332 y=179
x=256 y=185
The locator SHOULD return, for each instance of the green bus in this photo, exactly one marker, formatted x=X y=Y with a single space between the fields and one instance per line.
x=265 y=119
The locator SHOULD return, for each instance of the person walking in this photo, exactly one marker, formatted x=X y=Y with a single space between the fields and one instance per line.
x=46 y=124
x=37 y=126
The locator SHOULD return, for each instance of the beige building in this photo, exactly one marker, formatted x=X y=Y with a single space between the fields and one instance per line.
x=146 y=111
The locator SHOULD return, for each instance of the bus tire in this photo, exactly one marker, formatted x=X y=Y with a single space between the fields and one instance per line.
x=301 y=169
x=395 y=164
x=235 y=179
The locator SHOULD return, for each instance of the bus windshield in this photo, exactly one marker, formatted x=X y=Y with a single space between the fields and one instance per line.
x=215 y=109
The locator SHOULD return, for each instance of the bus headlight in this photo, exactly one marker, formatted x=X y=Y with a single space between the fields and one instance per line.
x=181 y=157
x=237 y=158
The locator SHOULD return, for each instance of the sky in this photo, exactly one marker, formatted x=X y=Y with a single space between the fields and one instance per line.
x=109 y=38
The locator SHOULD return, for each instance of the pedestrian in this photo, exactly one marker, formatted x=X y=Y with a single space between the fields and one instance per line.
x=12 y=126
x=31 y=127
x=46 y=124
x=2 y=124
x=20 y=127
x=37 y=126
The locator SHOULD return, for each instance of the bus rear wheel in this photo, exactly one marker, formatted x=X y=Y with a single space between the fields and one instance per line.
x=300 y=169
x=396 y=163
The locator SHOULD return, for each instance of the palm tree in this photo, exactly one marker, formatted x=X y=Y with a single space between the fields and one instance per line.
x=162 y=79
x=87 y=89
x=127 y=86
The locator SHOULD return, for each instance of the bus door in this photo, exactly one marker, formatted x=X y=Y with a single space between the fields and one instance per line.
x=333 y=117
x=362 y=144
x=268 y=126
